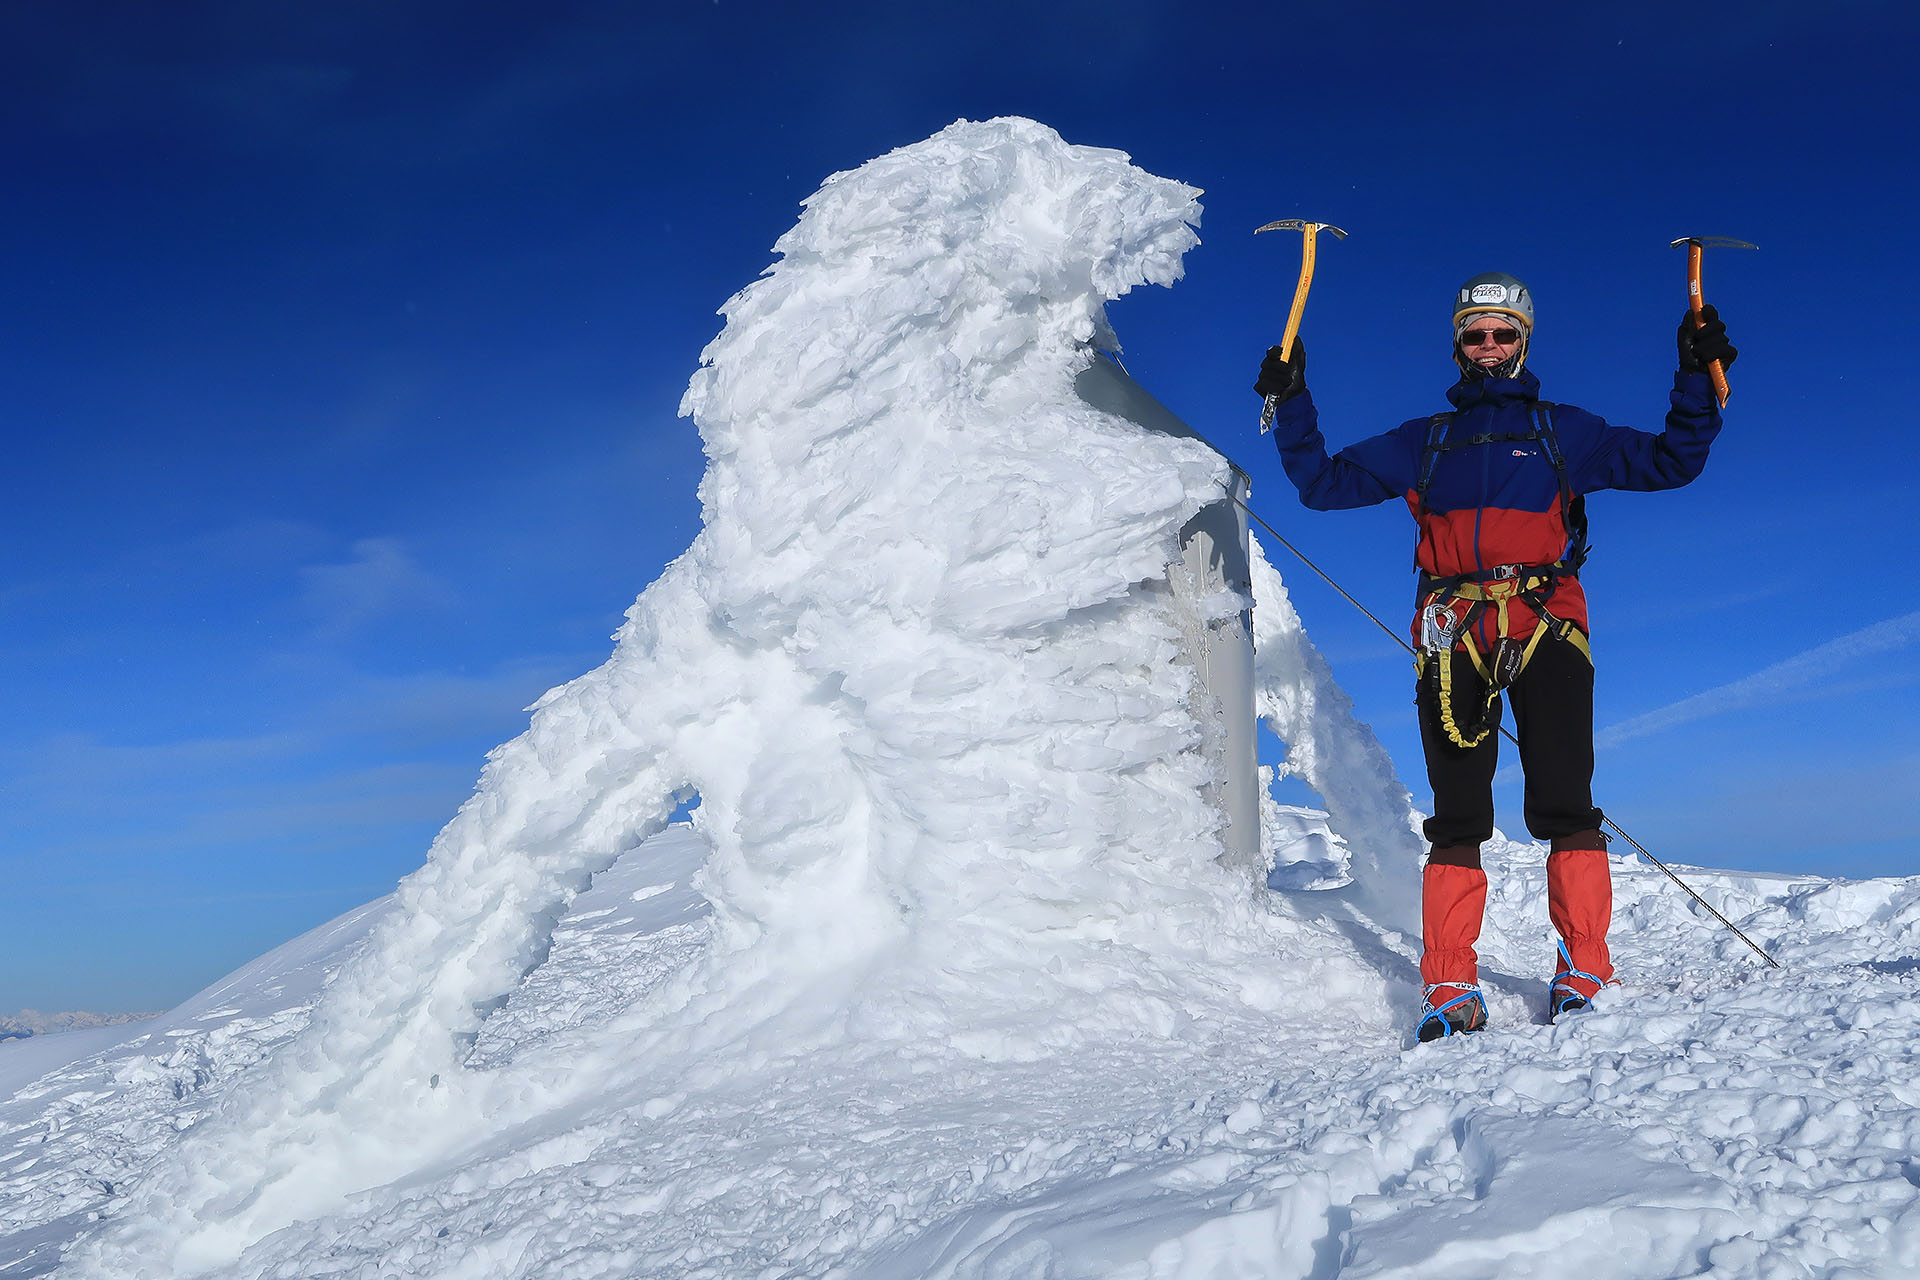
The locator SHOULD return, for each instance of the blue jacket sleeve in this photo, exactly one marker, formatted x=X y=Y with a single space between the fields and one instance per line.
x=1360 y=475
x=1623 y=458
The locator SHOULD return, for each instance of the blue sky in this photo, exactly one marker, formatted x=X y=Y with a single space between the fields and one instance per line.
x=343 y=346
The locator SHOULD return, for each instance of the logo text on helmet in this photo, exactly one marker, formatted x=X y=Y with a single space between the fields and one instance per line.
x=1489 y=293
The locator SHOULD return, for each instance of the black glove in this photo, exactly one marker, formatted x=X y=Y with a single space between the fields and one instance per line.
x=1284 y=379
x=1702 y=346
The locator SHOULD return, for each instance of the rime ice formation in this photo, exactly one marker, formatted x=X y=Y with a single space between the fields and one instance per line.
x=919 y=668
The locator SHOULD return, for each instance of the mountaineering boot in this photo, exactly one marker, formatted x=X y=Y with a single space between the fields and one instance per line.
x=1563 y=993
x=1451 y=1010
x=1453 y=899
x=1580 y=903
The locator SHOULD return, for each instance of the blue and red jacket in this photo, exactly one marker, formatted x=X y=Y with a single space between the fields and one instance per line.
x=1498 y=503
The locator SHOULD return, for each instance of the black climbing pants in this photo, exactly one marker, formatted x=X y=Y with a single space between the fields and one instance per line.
x=1553 y=718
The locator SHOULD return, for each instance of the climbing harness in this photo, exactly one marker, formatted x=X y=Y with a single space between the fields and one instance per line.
x=1443 y=633
x=1443 y=629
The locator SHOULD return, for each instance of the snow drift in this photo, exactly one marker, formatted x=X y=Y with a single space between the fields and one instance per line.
x=918 y=666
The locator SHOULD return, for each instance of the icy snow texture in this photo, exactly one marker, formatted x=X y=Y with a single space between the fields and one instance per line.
x=1715 y=1120
x=916 y=665
x=1297 y=697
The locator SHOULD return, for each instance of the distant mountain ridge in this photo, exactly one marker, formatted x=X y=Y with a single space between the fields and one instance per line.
x=31 y=1022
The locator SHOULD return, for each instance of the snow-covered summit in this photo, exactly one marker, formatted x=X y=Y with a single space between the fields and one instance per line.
x=949 y=977
x=919 y=666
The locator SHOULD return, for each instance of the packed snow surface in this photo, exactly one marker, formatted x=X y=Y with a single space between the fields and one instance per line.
x=949 y=976
x=1717 y=1119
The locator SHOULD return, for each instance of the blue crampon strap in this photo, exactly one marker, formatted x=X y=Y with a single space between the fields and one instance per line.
x=1554 y=997
x=1448 y=1029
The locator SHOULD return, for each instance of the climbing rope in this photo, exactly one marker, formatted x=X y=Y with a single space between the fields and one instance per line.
x=1504 y=731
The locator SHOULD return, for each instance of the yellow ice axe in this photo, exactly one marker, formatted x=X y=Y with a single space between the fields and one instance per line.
x=1697 y=300
x=1311 y=232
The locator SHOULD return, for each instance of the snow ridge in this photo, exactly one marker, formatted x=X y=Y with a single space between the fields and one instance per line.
x=918 y=669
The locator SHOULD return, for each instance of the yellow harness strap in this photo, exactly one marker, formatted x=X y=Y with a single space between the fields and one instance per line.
x=1499 y=592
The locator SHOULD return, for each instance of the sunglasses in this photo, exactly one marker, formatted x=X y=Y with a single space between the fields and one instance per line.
x=1480 y=337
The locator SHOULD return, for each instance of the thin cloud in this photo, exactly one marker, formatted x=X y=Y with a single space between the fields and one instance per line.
x=1799 y=672
x=381 y=578
x=419 y=709
x=82 y=765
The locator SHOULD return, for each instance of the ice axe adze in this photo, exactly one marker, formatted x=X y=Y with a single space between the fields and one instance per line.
x=1696 y=300
x=1311 y=231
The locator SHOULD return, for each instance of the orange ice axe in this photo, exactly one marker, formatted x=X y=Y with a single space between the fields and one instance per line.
x=1311 y=231
x=1696 y=300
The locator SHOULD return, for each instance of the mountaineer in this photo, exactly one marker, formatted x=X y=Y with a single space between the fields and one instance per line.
x=1496 y=488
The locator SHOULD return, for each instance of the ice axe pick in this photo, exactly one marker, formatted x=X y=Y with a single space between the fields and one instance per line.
x=1696 y=300
x=1311 y=231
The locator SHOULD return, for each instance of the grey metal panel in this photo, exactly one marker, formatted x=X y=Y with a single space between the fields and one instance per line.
x=1219 y=645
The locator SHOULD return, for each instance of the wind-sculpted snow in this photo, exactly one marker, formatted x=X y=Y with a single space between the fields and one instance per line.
x=918 y=670
x=1339 y=757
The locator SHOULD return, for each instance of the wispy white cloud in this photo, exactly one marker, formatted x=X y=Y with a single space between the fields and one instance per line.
x=85 y=765
x=1796 y=673
x=381 y=578
x=1664 y=610
x=110 y=807
x=355 y=758
x=422 y=709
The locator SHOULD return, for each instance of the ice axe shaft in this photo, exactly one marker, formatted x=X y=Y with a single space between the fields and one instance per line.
x=1310 y=233
x=1696 y=299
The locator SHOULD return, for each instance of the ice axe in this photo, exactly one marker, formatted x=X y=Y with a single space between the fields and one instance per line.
x=1695 y=300
x=1312 y=231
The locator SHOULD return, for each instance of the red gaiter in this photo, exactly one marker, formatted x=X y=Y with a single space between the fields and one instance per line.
x=1452 y=902
x=1580 y=903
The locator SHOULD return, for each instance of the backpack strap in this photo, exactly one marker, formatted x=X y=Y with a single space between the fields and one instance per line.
x=1573 y=507
x=1436 y=435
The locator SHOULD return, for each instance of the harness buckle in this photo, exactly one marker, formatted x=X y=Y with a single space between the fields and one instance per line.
x=1505 y=572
